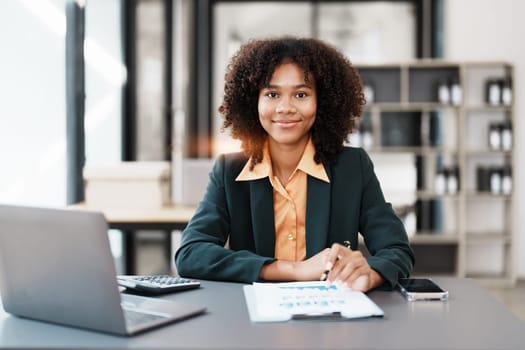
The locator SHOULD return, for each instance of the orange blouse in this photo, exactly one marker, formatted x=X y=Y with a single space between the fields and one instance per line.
x=289 y=202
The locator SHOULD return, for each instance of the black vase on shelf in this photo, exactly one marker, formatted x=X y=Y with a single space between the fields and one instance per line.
x=483 y=178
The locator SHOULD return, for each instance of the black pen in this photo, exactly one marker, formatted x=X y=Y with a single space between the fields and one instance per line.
x=324 y=276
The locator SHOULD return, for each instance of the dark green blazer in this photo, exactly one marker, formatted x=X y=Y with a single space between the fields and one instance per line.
x=241 y=213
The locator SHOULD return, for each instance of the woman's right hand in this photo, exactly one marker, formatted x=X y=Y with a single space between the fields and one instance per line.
x=306 y=270
x=312 y=268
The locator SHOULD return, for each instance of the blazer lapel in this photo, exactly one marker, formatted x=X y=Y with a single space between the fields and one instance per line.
x=317 y=214
x=261 y=199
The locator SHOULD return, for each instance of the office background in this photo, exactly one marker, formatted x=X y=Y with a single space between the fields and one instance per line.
x=33 y=88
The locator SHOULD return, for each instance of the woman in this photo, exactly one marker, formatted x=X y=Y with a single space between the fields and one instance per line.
x=289 y=201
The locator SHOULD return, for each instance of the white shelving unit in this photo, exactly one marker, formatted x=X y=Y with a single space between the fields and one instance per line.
x=470 y=232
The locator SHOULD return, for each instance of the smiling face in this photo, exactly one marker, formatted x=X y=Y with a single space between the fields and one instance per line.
x=287 y=106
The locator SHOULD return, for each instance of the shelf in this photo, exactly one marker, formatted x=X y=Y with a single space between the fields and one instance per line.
x=434 y=238
x=423 y=81
x=406 y=119
x=429 y=150
x=431 y=195
x=488 y=152
x=488 y=108
x=488 y=64
x=385 y=80
x=409 y=106
x=471 y=195
x=480 y=237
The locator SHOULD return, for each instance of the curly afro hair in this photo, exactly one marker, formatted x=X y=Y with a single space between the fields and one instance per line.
x=340 y=97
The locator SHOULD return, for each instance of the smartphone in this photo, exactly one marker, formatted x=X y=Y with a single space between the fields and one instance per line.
x=421 y=289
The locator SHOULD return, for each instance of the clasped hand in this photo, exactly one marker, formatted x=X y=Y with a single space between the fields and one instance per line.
x=345 y=266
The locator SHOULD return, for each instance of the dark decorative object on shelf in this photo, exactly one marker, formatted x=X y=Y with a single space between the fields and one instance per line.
x=493 y=92
x=450 y=91
x=428 y=216
x=506 y=136
x=506 y=180
x=401 y=129
x=483 y=179
x=498 y=91
x=495 y=136
x=494 y=179
x=440 y=181
x=506 y=92
x=446 y=180
x=456 y=92
x=500 y=136
x=453 y=180
x=443 y=92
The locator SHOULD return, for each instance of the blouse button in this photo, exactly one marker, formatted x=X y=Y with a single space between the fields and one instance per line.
x=291 y=236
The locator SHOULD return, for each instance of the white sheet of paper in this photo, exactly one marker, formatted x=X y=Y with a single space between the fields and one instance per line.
x=281 y=301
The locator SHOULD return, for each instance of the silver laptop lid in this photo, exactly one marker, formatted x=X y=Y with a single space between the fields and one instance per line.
x=56 y=266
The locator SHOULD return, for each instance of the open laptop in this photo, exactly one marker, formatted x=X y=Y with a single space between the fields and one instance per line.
x=56 y=266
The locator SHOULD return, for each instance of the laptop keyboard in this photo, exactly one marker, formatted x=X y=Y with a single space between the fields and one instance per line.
x=157 y=283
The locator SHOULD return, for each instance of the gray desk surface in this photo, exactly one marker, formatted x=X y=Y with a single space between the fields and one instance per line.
x=471 y=319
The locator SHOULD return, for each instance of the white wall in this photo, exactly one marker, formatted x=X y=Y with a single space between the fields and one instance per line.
x=492 y=30
x=105 y=76
x=32 y=111
x=32 y=90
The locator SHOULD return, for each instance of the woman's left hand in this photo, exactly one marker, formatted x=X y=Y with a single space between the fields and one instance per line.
x=351 y=268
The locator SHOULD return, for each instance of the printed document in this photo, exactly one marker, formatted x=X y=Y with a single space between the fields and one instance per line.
x=271 y=302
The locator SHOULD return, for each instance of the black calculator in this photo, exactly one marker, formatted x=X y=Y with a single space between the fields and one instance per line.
x=156 y=284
